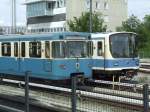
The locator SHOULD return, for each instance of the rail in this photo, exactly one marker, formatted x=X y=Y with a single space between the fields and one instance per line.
x=144 y=67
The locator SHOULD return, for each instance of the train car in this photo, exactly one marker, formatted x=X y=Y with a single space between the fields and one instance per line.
x=115 y=54
x=52 y=56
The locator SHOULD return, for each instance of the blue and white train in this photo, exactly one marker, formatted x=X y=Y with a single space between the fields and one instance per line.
x=115 y=54
x=52 y=56
x=56 y=56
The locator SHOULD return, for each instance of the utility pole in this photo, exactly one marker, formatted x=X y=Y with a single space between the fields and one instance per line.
x=13 y=16
x=90 y=16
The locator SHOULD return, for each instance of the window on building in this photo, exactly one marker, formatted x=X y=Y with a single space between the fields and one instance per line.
x=48 y=29
x=23 y=48
x=61 y=29
x=35 y=49
x=6 y=49
x=58 y=49
x=54 y=29
x=64 y=3
x=58 y=4
x=87 y=4
x=51 y=29
x=49 y=5
x=65 y=29
x=58 y=29
x=99 y=49
x=97 y=5
x=106 y=5
x=16 y=49
x=61 y=3
x=47 y=49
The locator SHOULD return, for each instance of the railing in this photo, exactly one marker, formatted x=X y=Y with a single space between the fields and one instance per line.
x=91 y=98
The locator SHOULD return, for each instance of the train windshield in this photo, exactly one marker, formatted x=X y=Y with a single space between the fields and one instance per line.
x=123 y=45
x=77 y=49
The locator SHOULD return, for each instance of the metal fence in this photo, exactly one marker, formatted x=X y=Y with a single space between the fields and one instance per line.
x=91 y=96
x=112 y=98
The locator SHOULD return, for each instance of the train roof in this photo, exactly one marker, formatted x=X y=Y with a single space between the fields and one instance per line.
x=45 y=36
x=107 y=34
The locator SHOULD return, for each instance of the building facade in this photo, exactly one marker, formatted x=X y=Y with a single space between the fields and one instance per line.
x=52 y=15
x=10 y=30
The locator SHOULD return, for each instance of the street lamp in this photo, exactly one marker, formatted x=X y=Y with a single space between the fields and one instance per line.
x=13 y=16
x=90 y=17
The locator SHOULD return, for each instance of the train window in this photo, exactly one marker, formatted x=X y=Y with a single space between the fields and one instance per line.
x=23 y=48
x=90 y=48
x=6 y=49
x=58 y=49
x=35 y=49
x=99 y=48
x=77 y=49
x=47 y=49
x=16 y=49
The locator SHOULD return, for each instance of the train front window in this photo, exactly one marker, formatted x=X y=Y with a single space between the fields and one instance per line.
x=76 y=49
x=123 y=45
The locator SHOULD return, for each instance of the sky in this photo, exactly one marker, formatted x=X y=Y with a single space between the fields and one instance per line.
x=137 y=7
x=5 y=12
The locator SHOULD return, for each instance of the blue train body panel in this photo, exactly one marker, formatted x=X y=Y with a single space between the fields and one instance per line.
x=46 y=69
x=52 y=69
x=117 y=63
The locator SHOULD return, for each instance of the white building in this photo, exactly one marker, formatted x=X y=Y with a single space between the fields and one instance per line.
x=51 y=15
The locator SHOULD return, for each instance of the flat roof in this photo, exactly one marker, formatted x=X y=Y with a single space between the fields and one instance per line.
x=35 y=1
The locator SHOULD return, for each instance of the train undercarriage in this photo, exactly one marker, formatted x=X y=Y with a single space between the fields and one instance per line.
x=125 y=74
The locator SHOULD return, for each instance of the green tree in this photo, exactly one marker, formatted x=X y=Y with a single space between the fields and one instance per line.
x=81 y=24
x=146 y=25
x=130 y=25
x=147 y=22
x=133 y=24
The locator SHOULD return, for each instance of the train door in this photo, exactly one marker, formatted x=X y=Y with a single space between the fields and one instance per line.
x=99 y=54
x=22 y=54
x=47 y=55
x=16 y=56
x=19 y=53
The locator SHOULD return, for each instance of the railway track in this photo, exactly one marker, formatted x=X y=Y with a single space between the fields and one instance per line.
x=144 y=67
x=97 y=95
x=100 y=86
